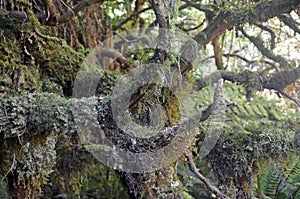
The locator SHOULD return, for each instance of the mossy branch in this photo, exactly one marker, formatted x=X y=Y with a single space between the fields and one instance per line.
x=253 y=81
x=260 y=12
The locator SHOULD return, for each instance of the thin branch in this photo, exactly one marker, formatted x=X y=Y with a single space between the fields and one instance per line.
x=290 y=22
x=194 y=169
x=289 y=97
x=45 y=36
x=193 y=28
x=271 y=33
x=265 y=51
x=11 y=168
x=245 y=60
x=68 y=7
x=130 y=17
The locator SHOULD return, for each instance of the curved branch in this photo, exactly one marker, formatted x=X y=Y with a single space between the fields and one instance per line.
x=261 y=12
x=130 y=17
x=196 y=6
x=290 y=22
x=271 y=33
x=265 y=51
x=245 y=60
x=193 y=28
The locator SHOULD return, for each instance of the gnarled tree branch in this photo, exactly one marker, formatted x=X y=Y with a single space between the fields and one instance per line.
x=275 y=82
x=265 y=51
x=261 y=12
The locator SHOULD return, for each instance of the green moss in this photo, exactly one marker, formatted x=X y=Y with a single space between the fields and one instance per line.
x=33 y=19
x=57 y=60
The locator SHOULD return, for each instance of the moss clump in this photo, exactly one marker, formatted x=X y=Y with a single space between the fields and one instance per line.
x=234 y=158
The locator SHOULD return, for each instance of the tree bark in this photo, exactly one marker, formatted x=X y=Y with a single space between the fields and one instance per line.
x=261 y=12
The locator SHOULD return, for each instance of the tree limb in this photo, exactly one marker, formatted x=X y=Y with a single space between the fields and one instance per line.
x=246 y=60
x=256 y=81
x=261 y=12
x=265 y=51
x=290 y=22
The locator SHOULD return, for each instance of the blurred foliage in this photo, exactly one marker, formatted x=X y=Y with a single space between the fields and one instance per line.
x=4 y=193
x=280 y=179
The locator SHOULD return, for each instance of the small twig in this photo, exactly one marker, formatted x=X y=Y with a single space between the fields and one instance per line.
x=11 y=168
x=194 y=169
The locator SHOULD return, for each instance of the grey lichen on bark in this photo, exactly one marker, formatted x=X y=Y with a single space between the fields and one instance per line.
x=35 y=113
